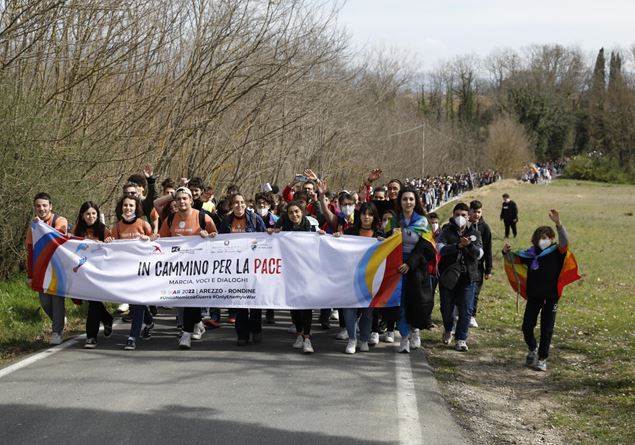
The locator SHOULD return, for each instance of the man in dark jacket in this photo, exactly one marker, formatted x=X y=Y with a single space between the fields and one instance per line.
x=460 y=248
x=509 y=215
x=485 y=263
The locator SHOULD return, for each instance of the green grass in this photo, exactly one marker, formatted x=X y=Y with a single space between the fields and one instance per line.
x=24 y=327
x=591 y=367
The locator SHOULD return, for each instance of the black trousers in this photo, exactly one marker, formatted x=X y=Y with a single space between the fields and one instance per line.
x=248 y=321
x=510 y=225
x=302 y=319
x=391 y=316
x=547 y=309
x=375 y=324
x=191 y=316
x=97 y=313
x=428 y=308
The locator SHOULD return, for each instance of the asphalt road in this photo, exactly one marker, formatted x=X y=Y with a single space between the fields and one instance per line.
x=218 y=392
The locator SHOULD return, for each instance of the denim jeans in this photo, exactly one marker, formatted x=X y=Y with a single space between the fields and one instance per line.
x=140 y=315
x=402 y=325
x=461 y=297
x=365 y=322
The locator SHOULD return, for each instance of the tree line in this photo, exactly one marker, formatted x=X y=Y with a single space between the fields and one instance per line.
x=252 y=91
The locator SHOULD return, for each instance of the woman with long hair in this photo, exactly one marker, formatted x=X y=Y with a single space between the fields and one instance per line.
x=130 y=226
x=296 y=221
x=367 y=224
x=90 y=226
x=418 y=252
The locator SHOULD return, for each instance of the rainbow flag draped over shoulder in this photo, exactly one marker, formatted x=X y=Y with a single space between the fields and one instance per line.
x=419 y=225
x=516 y=270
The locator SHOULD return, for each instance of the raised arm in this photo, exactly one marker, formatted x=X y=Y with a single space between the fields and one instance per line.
x=563 y=236
x=364 y=189
x=331 y=218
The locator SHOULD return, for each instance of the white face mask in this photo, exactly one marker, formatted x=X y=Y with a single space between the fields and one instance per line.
x=263 y=211
x=435 y=227
x=460 y=221
x=348 y=210
x=544 y=243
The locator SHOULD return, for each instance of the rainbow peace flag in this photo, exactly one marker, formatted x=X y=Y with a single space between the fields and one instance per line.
x=419 y=225
x=516 y=271
x=44 y=254
x=383 y=260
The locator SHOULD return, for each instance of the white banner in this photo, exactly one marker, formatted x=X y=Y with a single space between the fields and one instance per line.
x=287 y=270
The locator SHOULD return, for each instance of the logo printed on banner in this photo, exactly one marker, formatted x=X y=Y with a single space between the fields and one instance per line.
x=157 y=249
x=176 y=249
x=82 y=260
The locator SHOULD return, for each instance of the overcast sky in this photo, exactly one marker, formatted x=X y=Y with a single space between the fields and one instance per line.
x=439 y=30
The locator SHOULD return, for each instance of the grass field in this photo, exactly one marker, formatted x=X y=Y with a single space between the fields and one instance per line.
x=24 y=327
x=590 y=382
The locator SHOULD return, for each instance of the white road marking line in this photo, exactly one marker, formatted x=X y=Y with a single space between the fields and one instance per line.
x=407 y=411
x=39 y=356
x=46 y=353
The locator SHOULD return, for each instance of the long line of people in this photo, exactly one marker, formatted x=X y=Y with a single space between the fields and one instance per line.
x=188 y=207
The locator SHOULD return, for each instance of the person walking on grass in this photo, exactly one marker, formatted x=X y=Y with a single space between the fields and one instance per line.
x=461 y=248
x=539 y=274
x=509 y=215
x=476 y=219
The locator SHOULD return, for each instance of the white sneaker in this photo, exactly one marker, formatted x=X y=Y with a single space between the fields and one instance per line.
x=461 y=346
x=363 y=346
x=123 y=307
x=56 y=339
x=335 y=315
x=186 y=341
x=292 y=329
x=447 y=337
x=415 y=339
x=404 y=345
x=541 y=365
x=388 y=337
x=374 y=339
x=350 y=347
x=342 y=334
x=307 y=348
x=473 y=323
x=199 y=330
x=298 y=342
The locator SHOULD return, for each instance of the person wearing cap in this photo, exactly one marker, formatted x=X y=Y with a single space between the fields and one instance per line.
x=188 y=221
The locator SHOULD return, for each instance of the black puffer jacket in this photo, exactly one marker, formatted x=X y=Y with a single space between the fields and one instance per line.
x=448 y=245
